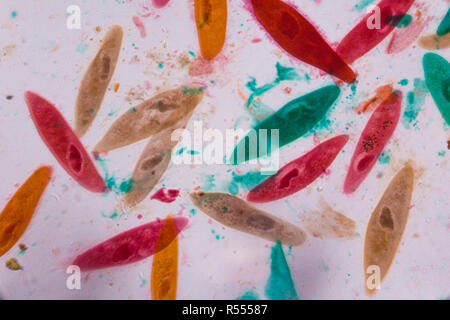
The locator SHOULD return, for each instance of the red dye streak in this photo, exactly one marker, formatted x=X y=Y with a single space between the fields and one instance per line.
x=361 y=39
x=298 y=173
x=128 y=247
x=164 y=195
x=374 y=138
x=63 y=142
x=295 y=34
x=140 y=26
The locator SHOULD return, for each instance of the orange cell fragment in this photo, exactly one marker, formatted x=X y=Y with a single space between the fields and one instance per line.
x=17 y=214
x=165 y=263
x=381 y=94
x=211 y=19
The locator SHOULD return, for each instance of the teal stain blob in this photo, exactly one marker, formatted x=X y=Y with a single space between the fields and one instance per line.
x=283 y=74
x=403 y=82
x=385 y=157
x=414 y=102
x=247 y=181
x=280 y=285
x=249 y=295
x=362 y=5
x=293 y=120
x=437 y=77
x=119 y=186
x=444 y=26
x=14 y=14
x=209 y=184
x=405 y=21
x=81 y=47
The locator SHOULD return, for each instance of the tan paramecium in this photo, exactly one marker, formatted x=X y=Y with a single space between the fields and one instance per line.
x=387 y=223
x=150 y=117
x=96 y=80
x=238 y=214
x=152 y=164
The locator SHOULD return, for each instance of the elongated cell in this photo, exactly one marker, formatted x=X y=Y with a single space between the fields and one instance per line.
x=374 y=138
x=152 y=163
x=165 y=263
x=129 y=246
x=386 y=225
x=366 y=35
x=63 y=142
x=17 y=214
x=96 y=80
x=293 y=120
x=150 y=117
x=444 y=26
x=237 y=214
x=211 y=20
x=297 y=36
x=437 y=77
x=298 y=173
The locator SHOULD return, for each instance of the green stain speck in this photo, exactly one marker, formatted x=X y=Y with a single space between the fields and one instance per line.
x=181 y=151
x=385 y=157
x=112 y=183
x=247 y=181
x=441 y=153
x=160 y=65
x=192 y=91
x=81 y=47
x=414 y=101
x=405 y=21
x=362 y=4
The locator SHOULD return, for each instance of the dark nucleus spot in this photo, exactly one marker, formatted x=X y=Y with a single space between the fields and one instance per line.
x=74 y=158
x=122 y=253
x=165 y=107
x=151 y=162
x=364 y=162
x=9 y=97
x=206 y=10
x=286 y=180
x=260 y=222
x=386 y=220
x=106 y=66
x=288 y=25
x=164 y=288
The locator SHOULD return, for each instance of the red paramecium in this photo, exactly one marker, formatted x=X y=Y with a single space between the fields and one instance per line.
x=130 y=246
x=63 y=142
x=374 y=138
x=361 y=39
x=295 y=34
x=298 y=173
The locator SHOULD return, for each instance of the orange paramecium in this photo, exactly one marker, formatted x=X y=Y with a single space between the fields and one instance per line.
x=211 y=19
x=17 y=214
x=165 y=263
